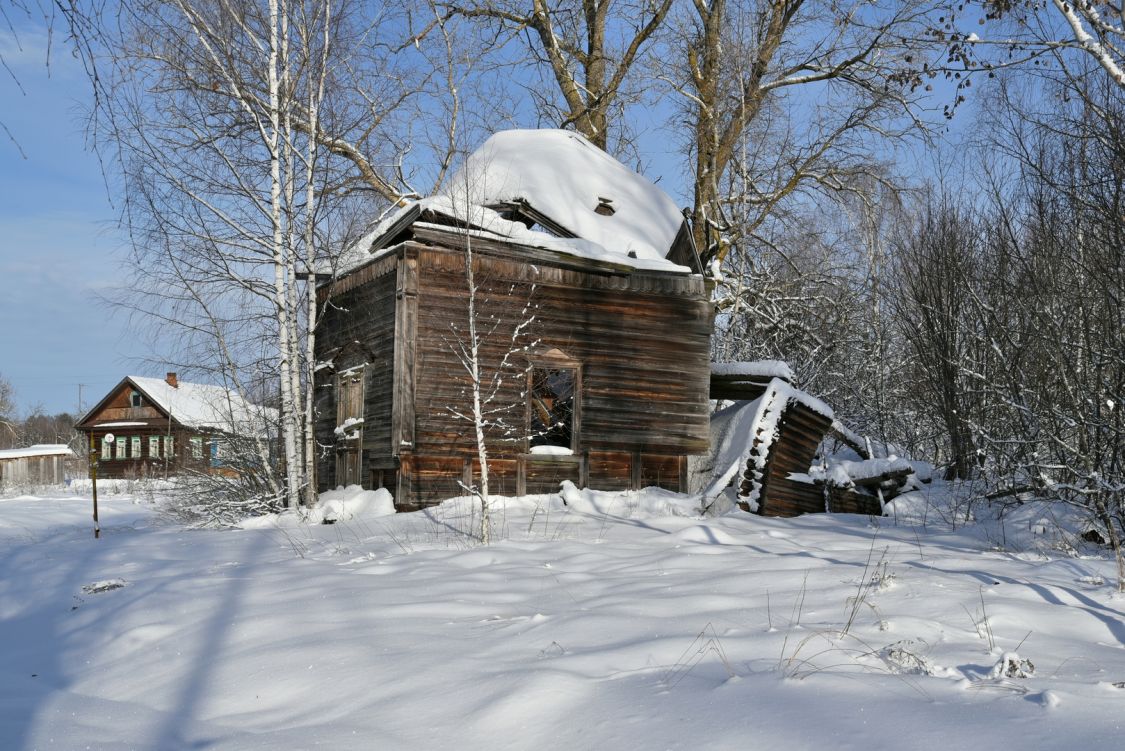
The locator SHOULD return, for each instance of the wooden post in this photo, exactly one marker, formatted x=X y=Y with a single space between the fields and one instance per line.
x=94 y=483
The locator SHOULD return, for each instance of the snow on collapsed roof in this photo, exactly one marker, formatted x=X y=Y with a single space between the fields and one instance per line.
x=747 y=435
x=39 y=449
x=200 y=405
x=565 y=177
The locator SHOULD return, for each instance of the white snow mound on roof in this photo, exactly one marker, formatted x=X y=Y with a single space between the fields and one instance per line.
x=201 y=405
x=564 y=176
x=39 y=449
x=756 y=368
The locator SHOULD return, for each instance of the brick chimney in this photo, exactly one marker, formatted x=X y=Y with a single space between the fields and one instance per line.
x=171 y=379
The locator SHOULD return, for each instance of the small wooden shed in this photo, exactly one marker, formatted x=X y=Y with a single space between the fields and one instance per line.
x=594 y=323
x=42 y=464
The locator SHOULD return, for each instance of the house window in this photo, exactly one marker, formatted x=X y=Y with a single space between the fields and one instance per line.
x=169 y=446
x=107 y=449
x=135 y=447
x=551 y=401
x=153 y=446
x=119 y=447
x=196 y=448
x=135 y=398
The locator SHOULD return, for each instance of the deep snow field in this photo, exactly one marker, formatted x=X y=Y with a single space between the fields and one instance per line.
x=617 y=622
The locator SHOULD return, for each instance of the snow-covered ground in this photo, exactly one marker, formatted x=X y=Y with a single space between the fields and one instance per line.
x=609 y=624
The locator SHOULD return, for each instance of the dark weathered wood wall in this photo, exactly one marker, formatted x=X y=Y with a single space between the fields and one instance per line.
x=800 y=432
x=357 y=328
x=641 y=341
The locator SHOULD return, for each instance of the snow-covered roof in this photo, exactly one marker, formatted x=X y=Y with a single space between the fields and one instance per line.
x=200 y=405
x=563 y=177
x=39 y=449
x=756 y=368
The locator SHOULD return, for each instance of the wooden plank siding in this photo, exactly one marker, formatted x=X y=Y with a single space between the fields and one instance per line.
x=28 y=471
x=357 y=328
x=643 y=357
x=639 y=341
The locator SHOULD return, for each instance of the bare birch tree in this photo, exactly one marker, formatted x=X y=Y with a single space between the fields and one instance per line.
x=491 y=344
x=754 y=142
x=999 y=34
x=237 y=154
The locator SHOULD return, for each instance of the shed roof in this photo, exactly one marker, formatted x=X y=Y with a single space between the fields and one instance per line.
x=39 y=449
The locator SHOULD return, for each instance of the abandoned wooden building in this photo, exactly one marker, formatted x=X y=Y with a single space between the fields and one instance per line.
x=161 y=427
x=592 y=316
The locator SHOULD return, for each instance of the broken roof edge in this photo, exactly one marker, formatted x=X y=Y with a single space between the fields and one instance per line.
x=483 y=222
x=759 y=420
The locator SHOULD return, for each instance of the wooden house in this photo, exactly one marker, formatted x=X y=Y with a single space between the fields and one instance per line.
x=593 y=320
x=162 y=427
x=42 y=464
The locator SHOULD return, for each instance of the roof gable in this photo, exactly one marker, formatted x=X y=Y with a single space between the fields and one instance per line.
x=115 y=406
x=193 y=405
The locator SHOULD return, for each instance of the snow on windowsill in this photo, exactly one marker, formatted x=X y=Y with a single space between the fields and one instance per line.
x=541 y=451
x=345 y=430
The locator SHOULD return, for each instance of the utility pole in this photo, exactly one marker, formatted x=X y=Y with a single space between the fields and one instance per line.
x=80 y=399
x=94 y=477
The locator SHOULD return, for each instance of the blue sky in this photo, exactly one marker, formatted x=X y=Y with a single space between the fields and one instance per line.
x=58 y=242
x=60 y=248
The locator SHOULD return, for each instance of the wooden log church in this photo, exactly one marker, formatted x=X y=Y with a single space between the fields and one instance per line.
x=591 y=313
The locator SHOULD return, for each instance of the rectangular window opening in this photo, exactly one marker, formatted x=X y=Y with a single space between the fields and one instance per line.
x=551 y=402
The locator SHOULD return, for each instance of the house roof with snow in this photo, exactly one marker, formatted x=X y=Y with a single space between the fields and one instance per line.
x=552 y=190
x=198 y=406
